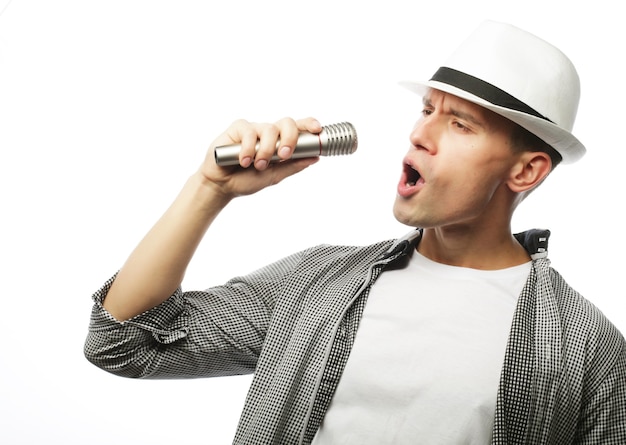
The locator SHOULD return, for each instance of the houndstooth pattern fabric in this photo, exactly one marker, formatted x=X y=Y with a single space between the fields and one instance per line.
x=293 y=324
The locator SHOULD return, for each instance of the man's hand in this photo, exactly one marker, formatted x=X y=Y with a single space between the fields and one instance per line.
x=255 y=171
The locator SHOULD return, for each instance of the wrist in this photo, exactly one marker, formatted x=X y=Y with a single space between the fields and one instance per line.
x=207 y=193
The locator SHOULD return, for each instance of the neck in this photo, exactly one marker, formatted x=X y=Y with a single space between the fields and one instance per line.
x=476 y=249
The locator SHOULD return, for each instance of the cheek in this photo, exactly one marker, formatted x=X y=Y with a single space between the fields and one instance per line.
x=472 y=191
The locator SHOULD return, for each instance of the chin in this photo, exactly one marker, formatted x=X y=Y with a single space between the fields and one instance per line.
x=403 y=217
x=412 y=220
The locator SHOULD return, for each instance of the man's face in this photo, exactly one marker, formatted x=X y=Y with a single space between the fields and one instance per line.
x=459 y=160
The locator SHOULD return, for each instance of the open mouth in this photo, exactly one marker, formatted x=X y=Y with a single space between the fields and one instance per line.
x=411 y=181
x=412 y=175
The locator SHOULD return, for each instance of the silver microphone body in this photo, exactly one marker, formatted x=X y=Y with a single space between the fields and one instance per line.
x=333 y=140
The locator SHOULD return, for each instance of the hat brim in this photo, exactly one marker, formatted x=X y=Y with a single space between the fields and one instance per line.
x=568 y=146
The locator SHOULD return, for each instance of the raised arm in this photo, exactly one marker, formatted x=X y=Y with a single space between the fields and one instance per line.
x=157 y=265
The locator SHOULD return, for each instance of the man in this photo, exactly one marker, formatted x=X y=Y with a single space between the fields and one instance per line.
x=459 y=332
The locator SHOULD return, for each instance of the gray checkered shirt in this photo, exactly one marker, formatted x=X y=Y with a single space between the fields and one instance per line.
x=293 y=324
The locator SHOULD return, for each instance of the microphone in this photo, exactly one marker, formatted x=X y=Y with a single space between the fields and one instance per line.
x=333 y=140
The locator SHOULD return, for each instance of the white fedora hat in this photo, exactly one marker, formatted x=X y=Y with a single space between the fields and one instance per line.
x=519 y=76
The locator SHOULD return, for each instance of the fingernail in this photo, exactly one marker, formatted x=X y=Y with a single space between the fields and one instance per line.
x=284 y=152
x=245 y=162
x=261 y=164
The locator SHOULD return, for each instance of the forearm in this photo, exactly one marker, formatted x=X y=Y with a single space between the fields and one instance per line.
x=157 y=266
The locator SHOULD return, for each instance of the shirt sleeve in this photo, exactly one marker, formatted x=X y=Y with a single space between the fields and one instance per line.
x=215 y=332
x=603 y=419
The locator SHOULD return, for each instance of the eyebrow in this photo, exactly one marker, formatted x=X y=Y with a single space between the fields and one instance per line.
x=458 y=113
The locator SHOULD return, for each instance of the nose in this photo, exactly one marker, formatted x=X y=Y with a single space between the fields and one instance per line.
x=424 y=134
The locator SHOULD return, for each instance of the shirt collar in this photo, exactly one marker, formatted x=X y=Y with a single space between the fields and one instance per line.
x=535 y=241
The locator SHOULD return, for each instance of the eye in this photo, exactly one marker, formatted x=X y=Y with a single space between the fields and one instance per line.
x=427 y=112
x=461 y=126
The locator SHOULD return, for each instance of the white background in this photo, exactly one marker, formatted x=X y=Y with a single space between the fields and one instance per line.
x=106 y=107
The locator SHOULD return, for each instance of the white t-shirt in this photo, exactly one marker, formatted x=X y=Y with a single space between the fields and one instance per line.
x=427 y=358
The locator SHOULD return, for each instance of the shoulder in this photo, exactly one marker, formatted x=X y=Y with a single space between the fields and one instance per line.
x=578 y=312
x=328 y=252
x=589 y=336
x=386 y=250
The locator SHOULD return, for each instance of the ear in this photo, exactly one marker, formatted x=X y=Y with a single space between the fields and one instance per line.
x=529 y=171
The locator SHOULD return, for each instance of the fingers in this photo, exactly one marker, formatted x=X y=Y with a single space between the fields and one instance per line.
x=261 y=141
x=290 y=130
x=249 y=139
x=309 y=124
x=258 y=144
x=271 y=141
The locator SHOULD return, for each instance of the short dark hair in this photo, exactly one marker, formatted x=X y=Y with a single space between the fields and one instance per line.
x=524 y=140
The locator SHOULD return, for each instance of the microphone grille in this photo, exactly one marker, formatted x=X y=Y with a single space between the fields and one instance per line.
x=340 y=139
